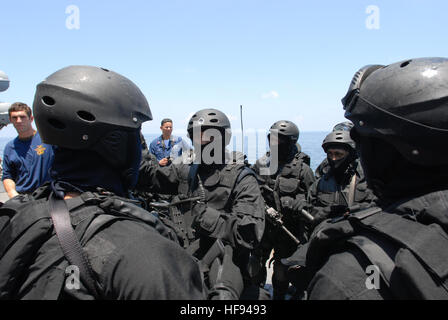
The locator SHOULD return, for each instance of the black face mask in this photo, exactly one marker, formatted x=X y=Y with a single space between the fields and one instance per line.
x=339 y=167
x=285 y=148
x=88 y=169
x=392 y=177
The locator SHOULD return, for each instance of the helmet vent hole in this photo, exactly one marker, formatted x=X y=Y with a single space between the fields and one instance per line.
x=404 y=64
x=48 y=101
x=105 y=69
x=56 y=123
x=212 y=114
x=87 y=116
x=214 y=120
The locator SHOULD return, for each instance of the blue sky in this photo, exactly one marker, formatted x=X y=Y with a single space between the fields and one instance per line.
x=279 y=59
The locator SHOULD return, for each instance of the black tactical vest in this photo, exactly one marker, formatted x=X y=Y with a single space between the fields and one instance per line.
x=286 y=181
x=411 y=257
x=330 y=192
x=32 y=264
x=218 y=183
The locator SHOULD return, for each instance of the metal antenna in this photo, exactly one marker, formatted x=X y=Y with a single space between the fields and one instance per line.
x=242 y=130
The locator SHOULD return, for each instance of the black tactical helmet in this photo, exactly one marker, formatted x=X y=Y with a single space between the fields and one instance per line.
x=286 y=128
x=405 y=104
x=340 y=137
x=346 y=126
x=78 y=105
x=210 y=118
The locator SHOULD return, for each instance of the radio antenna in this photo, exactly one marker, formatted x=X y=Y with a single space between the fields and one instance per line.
x=242 y=129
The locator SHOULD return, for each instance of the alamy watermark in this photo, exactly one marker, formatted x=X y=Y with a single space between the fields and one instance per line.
x=373 y=18
x=210 y=144
x=73 y=20
x=373 y=279
x=72 y=282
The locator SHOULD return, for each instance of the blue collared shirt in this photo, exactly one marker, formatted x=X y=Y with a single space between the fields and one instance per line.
x=160 y=150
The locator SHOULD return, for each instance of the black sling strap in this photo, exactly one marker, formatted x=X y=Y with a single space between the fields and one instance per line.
x=192 y=176
x=416 y=237
x=376 y=255
x=70 y=243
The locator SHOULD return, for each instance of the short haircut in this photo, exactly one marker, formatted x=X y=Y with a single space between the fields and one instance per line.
x=165 y=121
x=20 y=106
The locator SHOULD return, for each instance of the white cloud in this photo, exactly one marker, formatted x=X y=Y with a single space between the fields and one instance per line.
x=270 y=95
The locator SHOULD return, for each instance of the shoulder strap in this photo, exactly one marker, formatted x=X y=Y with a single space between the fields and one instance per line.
x=377 y=256
x=351 y=191
x=416 y=237
x=245 y=172
x=70 y=243
x=192 y=176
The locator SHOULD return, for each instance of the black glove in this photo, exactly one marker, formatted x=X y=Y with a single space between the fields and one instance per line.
x=292 y=204
x=205 y=218
x=225 y=278
x=337 y=210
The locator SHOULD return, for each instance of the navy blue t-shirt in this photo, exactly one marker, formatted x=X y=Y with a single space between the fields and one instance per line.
x=27 y=163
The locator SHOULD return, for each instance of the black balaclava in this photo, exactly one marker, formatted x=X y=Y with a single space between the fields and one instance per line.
x=392 y=177
x=339 y=167
x=286 y=148
x=86 y=170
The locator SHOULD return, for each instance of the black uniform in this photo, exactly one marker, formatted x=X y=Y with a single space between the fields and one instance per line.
x=233 y=209
x=286 y=192
x=332 y=195
x=132 y=254
x=398 y=249
x=115 y=249
x=338 y=254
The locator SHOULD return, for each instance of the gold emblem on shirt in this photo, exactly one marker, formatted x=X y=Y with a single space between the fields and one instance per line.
x=40 y=150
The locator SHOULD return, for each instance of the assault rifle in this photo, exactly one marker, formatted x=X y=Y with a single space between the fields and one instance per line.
x=175 y=219
x=275 y=218
x=303 y=213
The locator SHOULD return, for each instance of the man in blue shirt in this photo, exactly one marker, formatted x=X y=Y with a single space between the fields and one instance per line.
x=162 y=146
x=26 y=160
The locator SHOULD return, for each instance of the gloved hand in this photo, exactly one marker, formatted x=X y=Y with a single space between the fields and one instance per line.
x=205 y=218
x=292 y=204
x=225 y=278
x=337 y=210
